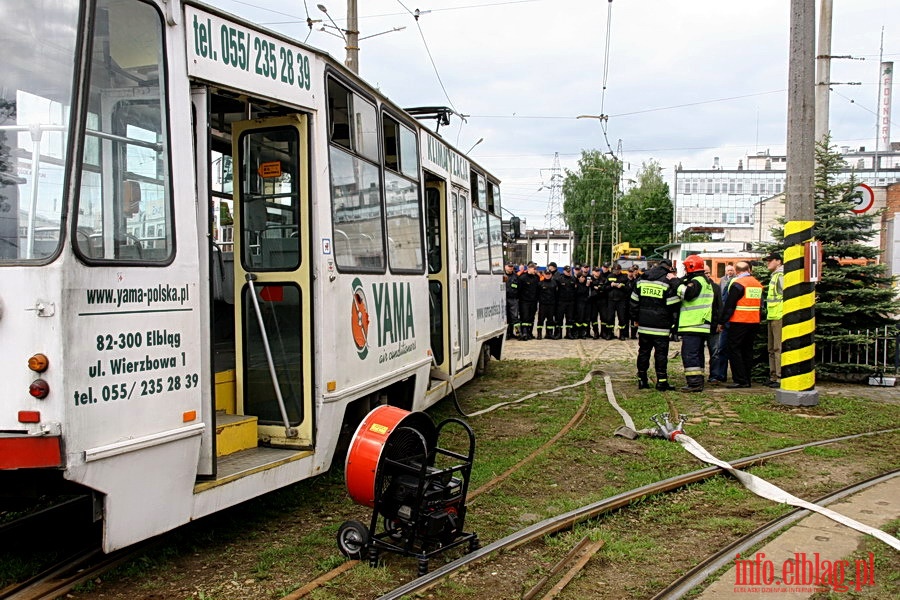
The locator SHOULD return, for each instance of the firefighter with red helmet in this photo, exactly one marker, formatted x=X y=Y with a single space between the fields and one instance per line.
x=698 y=316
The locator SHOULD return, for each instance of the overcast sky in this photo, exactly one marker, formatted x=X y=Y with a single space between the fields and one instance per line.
x=685 y=81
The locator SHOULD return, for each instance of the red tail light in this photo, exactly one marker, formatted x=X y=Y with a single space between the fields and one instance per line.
x=39 y=389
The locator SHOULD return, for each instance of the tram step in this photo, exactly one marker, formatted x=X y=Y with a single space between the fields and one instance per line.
x=234 y=433
x=225 y=398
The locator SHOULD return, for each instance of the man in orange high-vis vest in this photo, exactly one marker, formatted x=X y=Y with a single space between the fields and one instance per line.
x=741 y=312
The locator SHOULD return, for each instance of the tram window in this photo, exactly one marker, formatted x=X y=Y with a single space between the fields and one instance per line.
x=479 y=191
x=482 y=241
x=125 y=184
x=401 y=196
x=35 y=103
x=404 y=223
x=353 y=121
x=494 y=198
x=462 y=238
x=269 y=199
x=409 y=153
x=495 y=225
x=356 y=213
x=433 y=229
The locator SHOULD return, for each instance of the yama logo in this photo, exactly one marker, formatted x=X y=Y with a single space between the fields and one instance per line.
x=359 y=321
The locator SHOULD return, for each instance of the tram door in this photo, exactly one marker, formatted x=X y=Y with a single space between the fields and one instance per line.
x=273 y=299
x=448 y=274
x=463 y=343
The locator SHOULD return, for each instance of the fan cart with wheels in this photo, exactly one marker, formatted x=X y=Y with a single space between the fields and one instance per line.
x=416 y=488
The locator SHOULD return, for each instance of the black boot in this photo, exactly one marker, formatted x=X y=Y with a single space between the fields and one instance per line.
x=540 y=333
x=643 y=382
x=662 y=384
x=694 y=383
x=595 y=333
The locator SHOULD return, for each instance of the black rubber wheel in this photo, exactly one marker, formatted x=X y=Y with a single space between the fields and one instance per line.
x=352 y=539
x=484 y=358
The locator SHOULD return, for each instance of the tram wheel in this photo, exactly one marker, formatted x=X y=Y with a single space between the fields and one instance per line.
x=484 y=357
x=352 y=539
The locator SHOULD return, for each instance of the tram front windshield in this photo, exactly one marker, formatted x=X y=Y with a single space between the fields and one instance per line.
x=37 y=41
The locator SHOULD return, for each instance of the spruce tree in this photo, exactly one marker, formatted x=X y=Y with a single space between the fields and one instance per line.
x=854 y=293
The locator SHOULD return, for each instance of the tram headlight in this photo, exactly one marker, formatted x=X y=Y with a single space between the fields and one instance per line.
x=39 y=389
x=38 y=363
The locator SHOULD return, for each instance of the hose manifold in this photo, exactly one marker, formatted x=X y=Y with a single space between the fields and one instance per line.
x=665 y=428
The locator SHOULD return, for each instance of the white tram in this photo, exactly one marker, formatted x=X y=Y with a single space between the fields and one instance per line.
x=219 y=249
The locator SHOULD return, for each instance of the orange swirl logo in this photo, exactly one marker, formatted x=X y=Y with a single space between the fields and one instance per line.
x=359 y=319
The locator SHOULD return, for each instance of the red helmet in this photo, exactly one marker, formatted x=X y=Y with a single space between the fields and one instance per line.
x=694 y=263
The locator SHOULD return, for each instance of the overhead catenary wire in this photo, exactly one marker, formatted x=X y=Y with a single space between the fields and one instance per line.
x=437 y=74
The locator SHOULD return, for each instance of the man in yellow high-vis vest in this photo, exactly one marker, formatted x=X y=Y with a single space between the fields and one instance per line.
x=774 y=311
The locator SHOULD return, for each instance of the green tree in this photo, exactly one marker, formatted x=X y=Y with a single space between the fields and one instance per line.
x=854 y=293
x=588 y=193
x=645 y=212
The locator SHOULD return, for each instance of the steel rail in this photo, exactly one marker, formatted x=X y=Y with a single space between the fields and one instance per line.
x=698 y=574
x=73 y=571
x=571 y=518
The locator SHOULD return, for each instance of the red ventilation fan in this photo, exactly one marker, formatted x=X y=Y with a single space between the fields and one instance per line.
x=415 y=488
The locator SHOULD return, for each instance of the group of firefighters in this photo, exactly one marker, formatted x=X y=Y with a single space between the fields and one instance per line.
x=572 y=303
x=655 y=307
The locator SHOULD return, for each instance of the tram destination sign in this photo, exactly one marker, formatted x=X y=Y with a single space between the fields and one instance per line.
x=222 y=51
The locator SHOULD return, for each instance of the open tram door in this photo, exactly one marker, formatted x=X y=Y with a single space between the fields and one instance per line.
x=273 y=295
x=449 y=274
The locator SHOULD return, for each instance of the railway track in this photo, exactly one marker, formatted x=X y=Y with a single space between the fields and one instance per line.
x=698 y=574
x=65 y=575
x=590 y=511
x=521 y=538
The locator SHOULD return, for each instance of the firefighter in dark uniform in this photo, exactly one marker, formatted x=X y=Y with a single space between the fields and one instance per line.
x=616 y=286
x=633 y=275
x=582 y=291
x=512 y=300
x=654 y=305
x=596 y=300
x=547 y=288
x=698 y=315
x=565 y=303
x=528 y=296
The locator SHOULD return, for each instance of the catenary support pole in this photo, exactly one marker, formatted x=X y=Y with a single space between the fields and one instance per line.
x=352 y=60
x=798 y=378
x=823 y=70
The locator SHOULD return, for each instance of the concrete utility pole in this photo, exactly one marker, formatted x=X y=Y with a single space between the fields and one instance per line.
x=823 y=70
x=798 y=377
x=352 y=60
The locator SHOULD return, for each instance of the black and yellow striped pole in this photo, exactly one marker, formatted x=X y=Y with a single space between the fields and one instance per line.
x=798 y=321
